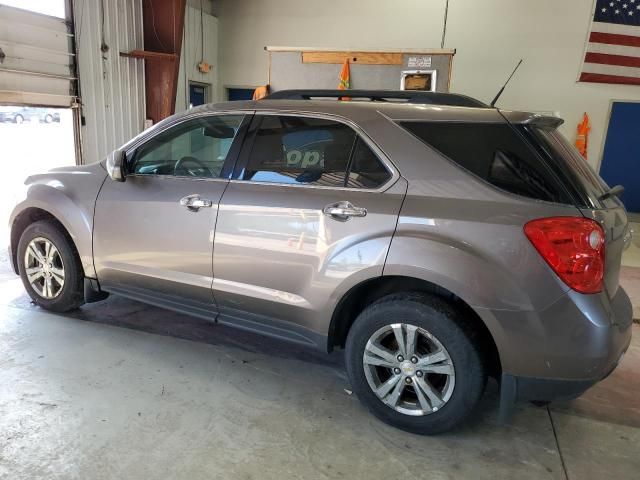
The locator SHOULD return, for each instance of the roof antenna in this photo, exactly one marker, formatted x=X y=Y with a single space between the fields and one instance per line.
x=493 y=104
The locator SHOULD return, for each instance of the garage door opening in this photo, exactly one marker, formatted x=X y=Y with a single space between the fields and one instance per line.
x=53 y=8
x=33 y=140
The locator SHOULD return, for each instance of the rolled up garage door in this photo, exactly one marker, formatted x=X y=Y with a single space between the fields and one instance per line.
x=36 y=59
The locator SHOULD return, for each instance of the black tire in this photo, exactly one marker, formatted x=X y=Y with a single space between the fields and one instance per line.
x=18 y=119
x=445 y=323
x=71 y=296
x=48 y=118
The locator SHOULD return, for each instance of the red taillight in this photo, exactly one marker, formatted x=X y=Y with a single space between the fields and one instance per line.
x=573 y=247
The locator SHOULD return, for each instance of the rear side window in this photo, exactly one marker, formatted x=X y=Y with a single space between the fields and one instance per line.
x=496 y=154
x=365 y=170
x=312 y=151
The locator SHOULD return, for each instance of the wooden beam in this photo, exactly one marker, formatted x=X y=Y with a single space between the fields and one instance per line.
x=365 y=58
x=148 y=55
x=163 y=28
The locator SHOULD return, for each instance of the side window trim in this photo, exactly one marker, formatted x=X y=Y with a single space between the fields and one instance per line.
x=352 y=153
x=247 y=147
x=236 y=147
x=230 y=160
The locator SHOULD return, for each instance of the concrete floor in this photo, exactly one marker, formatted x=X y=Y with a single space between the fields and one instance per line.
x=122 y=390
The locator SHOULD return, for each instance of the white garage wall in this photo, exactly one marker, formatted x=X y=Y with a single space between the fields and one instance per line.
x=111 y=86
x=193 y=53
x=490 y=35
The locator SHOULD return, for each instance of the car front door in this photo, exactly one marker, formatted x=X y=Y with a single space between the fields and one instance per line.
x=310 y=212
x=153 y=233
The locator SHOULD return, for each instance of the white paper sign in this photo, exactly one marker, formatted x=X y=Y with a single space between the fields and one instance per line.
x=419 y=62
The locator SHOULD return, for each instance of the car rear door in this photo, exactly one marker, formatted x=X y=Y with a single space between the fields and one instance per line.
x=309 y=214
x=153 y=233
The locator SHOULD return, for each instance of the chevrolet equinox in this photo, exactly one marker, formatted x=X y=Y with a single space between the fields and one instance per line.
x=437 y=240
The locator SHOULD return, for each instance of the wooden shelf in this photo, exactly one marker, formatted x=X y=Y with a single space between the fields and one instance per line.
x=417 y=51
x=149 y=55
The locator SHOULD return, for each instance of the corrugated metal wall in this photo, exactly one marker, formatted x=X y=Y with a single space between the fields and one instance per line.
x=192 y=54
x=111 y=86
x=37 y=62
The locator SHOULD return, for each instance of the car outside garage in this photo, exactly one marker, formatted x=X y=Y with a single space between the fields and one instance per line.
x=387 y=260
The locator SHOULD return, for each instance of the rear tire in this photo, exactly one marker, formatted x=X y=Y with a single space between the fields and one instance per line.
x=437 y=392
x=54 y=279
x=48 y=118
x=18 y=119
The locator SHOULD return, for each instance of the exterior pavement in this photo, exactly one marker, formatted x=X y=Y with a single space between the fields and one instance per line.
x=123 y=390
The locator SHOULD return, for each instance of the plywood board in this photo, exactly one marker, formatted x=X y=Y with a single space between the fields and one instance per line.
x=287 y=71
x=365 y=58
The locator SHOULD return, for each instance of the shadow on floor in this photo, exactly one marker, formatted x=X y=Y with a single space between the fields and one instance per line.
x=614 y=400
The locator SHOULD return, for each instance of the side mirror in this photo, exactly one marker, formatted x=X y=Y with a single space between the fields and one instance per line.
x=115 y=165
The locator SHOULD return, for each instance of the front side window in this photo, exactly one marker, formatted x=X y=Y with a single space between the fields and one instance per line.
x=196 y=148
x=311 y=151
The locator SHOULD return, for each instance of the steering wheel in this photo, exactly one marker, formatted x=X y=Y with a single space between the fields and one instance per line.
x=199 y=163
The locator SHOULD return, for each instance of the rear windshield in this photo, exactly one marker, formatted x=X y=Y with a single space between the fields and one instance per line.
x=569 y=164
x=496 y=153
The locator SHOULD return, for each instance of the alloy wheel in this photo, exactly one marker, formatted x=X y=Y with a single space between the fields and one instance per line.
x=409 y=369
x=44 y=268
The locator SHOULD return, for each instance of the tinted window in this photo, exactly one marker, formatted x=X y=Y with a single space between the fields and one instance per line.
x=495 y=153
x=300 y=150
x=196 y=148
x=311 y=151
x=366 y=170
x=564 y=157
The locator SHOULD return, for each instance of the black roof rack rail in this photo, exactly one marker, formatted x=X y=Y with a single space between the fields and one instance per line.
x=406 y=96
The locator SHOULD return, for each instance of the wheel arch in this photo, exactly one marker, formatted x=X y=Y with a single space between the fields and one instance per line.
x=371 y=290
x=20 y=223
x=76 y=227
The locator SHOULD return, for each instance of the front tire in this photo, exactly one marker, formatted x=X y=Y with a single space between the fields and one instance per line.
x=412 y=362
x=49 y=267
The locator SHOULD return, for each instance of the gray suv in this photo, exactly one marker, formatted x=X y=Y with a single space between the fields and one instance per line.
x=435 y=239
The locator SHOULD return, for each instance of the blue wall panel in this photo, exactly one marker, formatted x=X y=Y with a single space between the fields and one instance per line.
x=621 y=158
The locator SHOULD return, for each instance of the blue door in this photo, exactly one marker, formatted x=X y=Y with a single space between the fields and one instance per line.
x=621 y=158
x=197 y=94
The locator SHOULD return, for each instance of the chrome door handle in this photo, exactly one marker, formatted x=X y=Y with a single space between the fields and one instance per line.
x=195 y=203
x=343 y=211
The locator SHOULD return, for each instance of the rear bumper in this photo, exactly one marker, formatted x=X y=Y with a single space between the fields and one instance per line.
x=517 y=389
x=564 y=350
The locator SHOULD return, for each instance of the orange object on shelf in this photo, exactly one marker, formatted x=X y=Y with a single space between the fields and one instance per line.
x=345 y=81
x=344 y=76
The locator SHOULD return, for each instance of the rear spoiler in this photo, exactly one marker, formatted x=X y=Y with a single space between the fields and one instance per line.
x=534 y=119
x=544 y=121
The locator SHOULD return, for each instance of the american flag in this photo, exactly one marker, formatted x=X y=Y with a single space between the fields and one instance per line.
x=613 y=51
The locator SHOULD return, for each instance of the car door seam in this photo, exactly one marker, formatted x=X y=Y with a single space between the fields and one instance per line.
x=213 y=251
x=404 y=197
